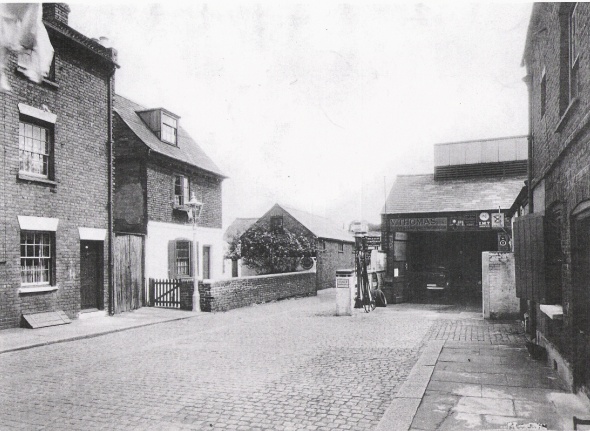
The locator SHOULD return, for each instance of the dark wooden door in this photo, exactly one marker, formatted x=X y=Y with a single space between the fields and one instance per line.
x=91 y=270
x=129 y=284
x=206 y=262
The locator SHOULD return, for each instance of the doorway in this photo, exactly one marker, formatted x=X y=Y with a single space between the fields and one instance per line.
x=91 y=274
x=206 y=262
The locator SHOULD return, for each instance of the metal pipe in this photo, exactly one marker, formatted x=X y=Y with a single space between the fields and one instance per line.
x=110 y=192
x=528 y=79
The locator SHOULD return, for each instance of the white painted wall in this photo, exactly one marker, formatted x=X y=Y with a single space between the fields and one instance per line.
x=156 y=248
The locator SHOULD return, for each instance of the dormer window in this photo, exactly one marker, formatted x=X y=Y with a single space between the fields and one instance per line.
x=163 y=123
x=169 y=127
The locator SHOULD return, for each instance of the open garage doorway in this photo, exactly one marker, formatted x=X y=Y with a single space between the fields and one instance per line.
x=446 y=267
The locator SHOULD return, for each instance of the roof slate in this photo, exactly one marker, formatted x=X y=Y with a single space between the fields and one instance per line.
x=187 y=151
x=422 y=194
x=321 y=227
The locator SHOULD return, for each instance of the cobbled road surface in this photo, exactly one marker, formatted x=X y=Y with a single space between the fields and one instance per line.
x=288 y=365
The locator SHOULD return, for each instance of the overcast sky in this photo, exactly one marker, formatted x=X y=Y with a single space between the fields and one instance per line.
x=320 y=105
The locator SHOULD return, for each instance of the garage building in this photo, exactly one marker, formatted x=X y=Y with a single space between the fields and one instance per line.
x=447 y=219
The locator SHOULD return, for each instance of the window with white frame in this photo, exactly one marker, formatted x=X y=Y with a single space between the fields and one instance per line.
x=34 y=144
x=181 y=190
x=36 y=257
x=169 y=129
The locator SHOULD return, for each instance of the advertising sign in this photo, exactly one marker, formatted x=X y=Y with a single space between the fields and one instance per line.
x=498 y=220
x=418 y=224
x=503 y=241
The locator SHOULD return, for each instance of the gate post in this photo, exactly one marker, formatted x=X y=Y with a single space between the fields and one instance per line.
x=151 y=293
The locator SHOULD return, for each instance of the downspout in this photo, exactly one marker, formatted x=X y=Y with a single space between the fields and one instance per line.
x=111 y=275
x=528 y=79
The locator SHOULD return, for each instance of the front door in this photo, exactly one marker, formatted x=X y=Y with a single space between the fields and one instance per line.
x=91 y=266
x=206 y=262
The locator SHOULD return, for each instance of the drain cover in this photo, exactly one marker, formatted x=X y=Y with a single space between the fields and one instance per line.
x=50 y=318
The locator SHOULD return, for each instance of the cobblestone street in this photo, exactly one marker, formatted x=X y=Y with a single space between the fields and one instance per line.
x=289 y=365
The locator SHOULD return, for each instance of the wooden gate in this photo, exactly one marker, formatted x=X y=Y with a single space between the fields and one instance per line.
x=164 y=293
x=128 y=293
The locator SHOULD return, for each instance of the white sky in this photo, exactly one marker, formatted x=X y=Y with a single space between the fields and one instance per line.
x=320 y=105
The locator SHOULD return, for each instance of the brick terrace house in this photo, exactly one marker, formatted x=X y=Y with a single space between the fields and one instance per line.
x=55 y=179
x=552 y=241
x=158 y=167
x=335 y=246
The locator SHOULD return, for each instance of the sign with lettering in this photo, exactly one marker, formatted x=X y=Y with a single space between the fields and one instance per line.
x=418 y=224
x=373 y=241
x=497 y=219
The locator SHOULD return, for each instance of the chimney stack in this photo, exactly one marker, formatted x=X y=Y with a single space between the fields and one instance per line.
x=56 y=12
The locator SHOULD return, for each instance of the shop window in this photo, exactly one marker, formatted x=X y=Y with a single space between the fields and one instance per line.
x=37 y=258
x=180 y=258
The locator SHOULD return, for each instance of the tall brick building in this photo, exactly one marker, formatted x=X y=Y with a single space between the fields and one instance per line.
x=158 y=167
x=54 y=186
x=552 y=241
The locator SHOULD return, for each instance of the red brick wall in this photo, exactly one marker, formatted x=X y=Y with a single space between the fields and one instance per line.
x=233 y=293
x=79 y=195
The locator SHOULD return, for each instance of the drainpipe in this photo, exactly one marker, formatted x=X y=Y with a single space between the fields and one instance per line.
x=528 y=79
x=110 y=191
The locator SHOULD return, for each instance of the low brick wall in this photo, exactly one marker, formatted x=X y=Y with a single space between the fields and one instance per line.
x=223 y=295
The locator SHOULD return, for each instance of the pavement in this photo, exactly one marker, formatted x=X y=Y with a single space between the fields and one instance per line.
x=288 y=365
x=88 y=326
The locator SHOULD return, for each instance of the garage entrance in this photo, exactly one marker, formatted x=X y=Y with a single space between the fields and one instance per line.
x=453 y=257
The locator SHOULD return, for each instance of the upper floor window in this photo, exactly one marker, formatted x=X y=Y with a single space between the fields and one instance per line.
x=569 y=55
x=34 y=144
x=340 y=247
x=25 y=60
x=169 y=129
x=276 y=223
x=543 y=93
x=36 y=257
x=181 y=190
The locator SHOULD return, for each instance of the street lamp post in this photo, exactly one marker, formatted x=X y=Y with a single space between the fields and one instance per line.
x=195 y=206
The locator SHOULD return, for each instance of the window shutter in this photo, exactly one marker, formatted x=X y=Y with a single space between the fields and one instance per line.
x=191 y=260
x=172 y=259
x=529 y=257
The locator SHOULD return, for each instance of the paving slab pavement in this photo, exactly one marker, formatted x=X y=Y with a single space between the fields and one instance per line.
x=484 y=378
x=98 y=324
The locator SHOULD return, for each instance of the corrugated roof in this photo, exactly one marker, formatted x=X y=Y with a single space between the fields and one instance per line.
x=321 y=227
x=422 y=194
x=187 y=151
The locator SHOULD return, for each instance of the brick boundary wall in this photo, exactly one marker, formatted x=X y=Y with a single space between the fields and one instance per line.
x=224 y=295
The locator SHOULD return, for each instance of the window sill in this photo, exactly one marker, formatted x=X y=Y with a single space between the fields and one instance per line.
x=28 y=177
x=566 y=114
x=37 y=289
x=554 y=312
x=46 y=82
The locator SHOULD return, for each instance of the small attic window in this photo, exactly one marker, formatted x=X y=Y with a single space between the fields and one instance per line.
x=162 y=123
x=169 y=128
